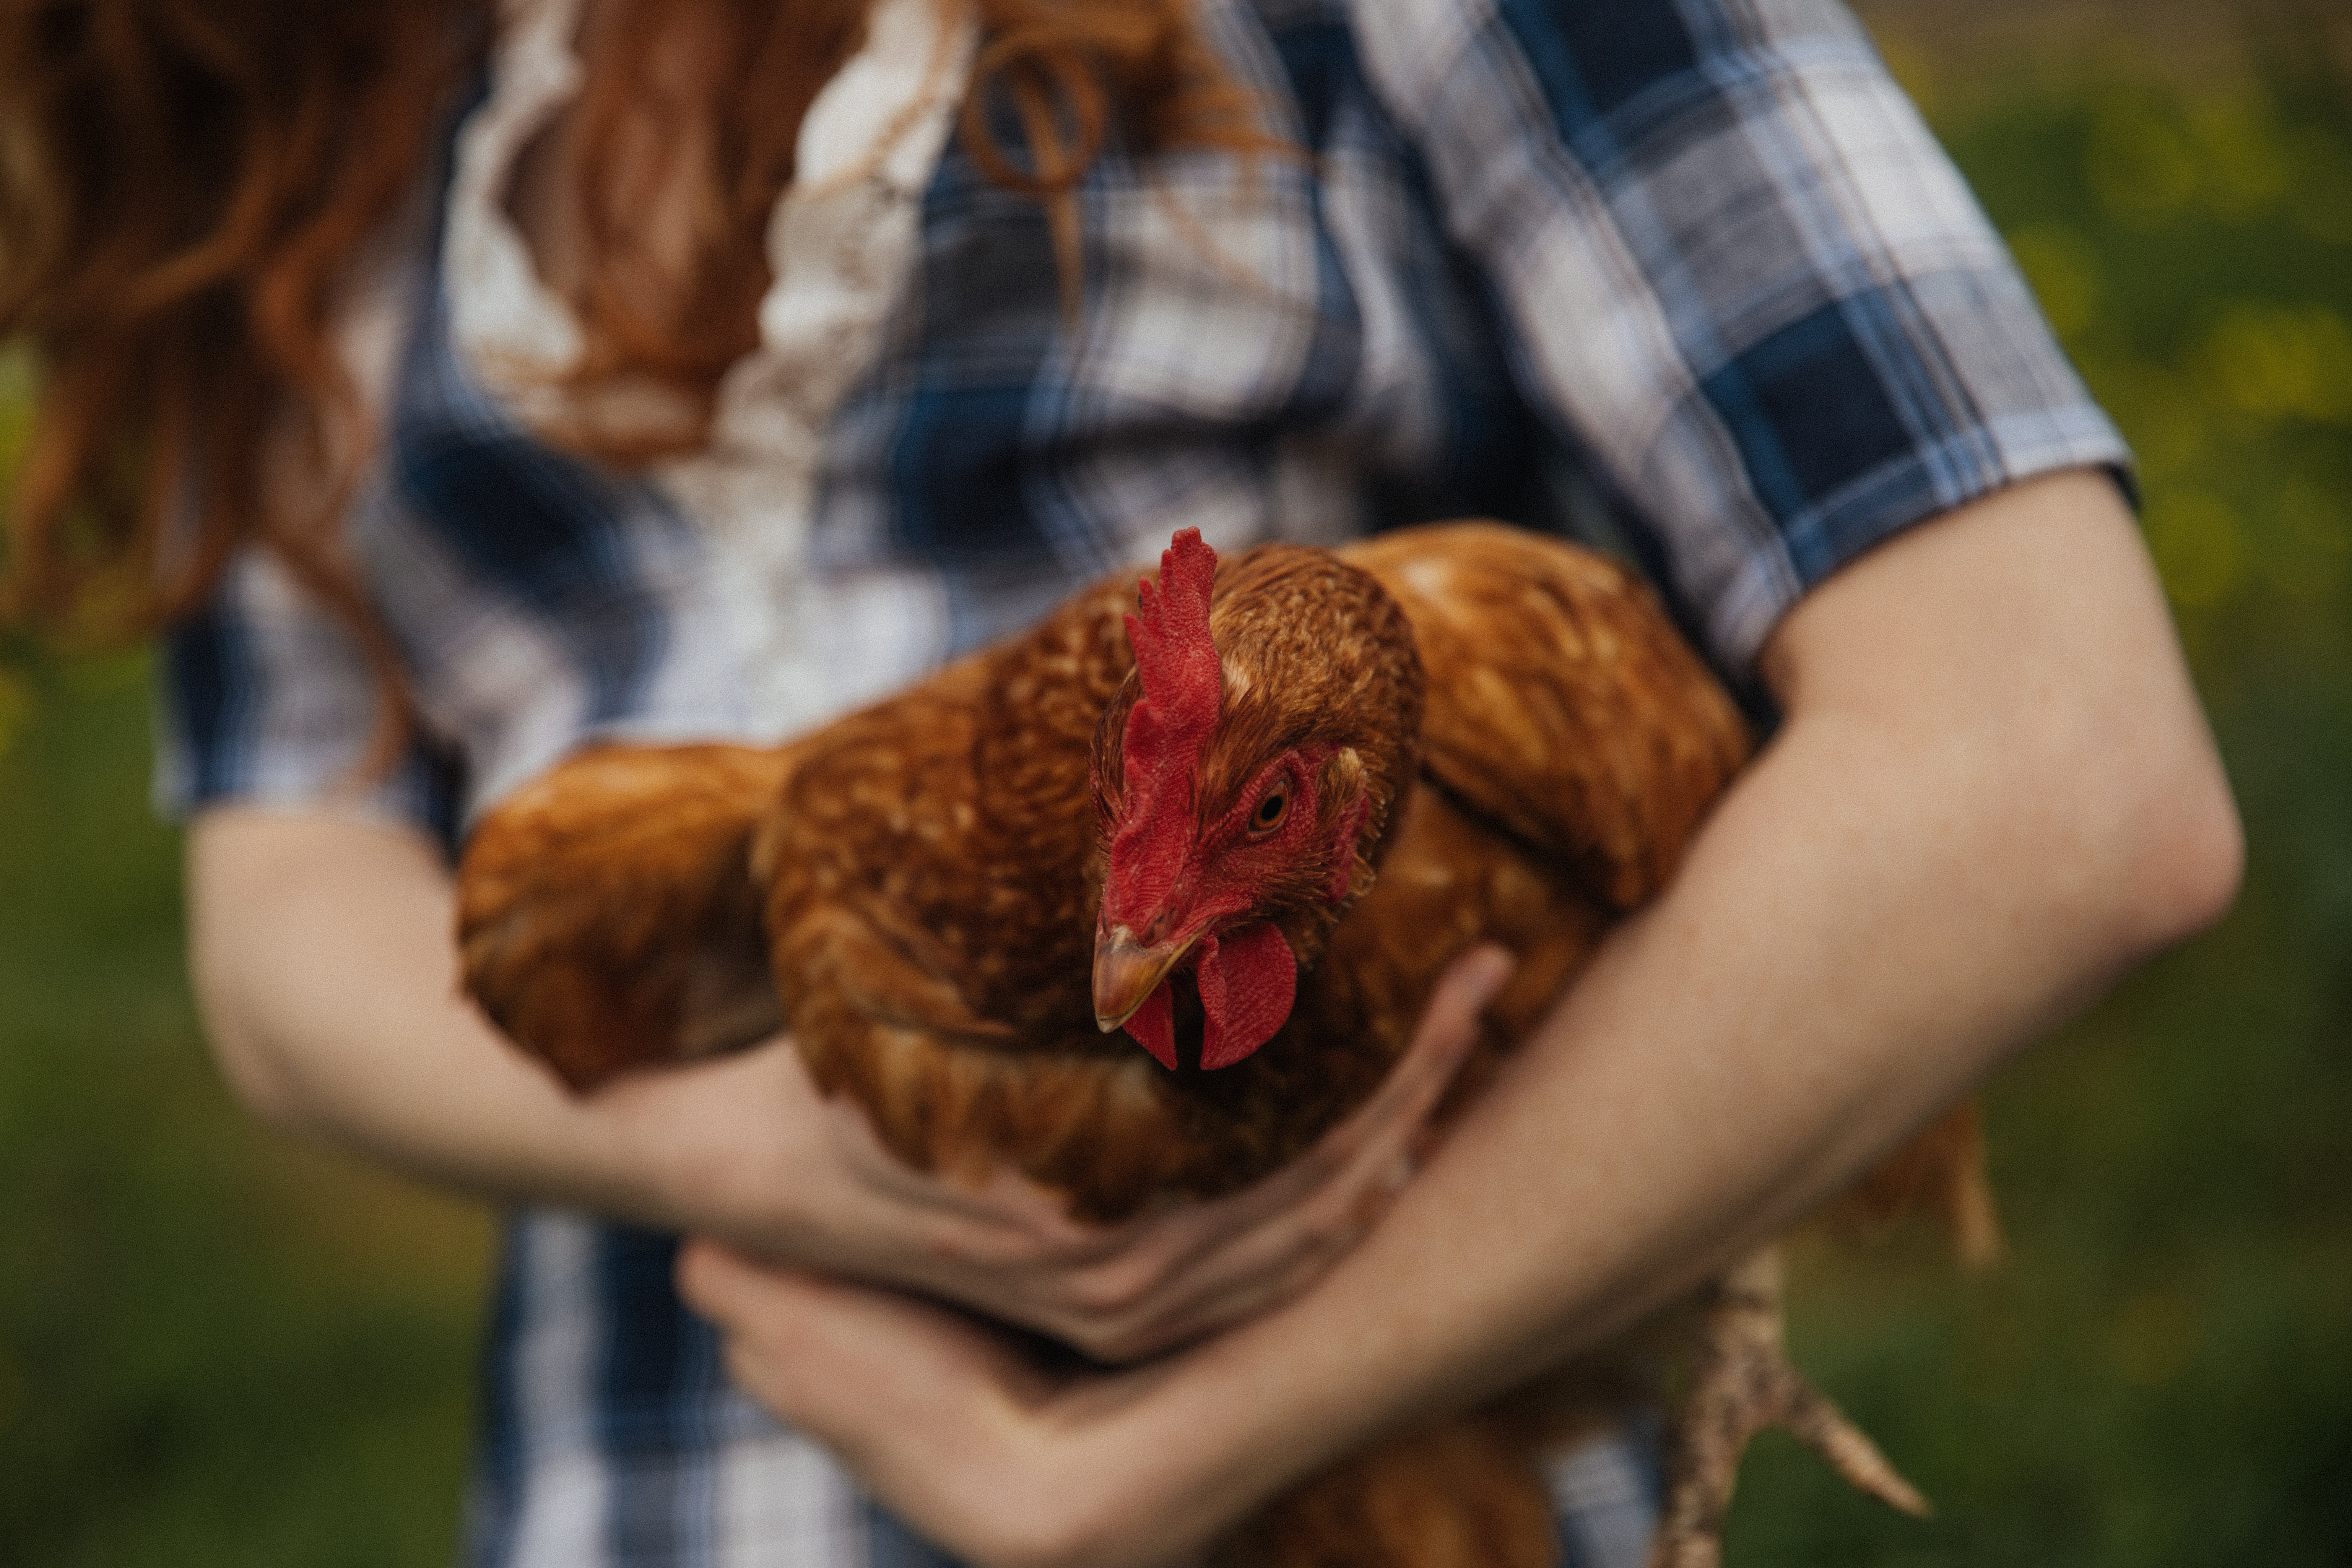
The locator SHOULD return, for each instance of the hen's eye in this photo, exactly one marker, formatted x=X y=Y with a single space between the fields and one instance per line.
x=1269 y=810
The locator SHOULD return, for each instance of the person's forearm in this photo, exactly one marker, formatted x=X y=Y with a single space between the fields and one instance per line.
x=1994 y=793
x=322 y=951
x=325 y=966
x=323 y=963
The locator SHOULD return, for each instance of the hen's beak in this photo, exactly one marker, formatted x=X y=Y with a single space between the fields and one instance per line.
x=1125 y=973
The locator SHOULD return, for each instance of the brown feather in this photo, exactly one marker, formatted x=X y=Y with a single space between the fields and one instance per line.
x=1565 y=709
x=603 y=917
x=1534 y=747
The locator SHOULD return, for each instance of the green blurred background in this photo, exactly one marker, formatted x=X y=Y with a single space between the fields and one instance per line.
x=219 y=1347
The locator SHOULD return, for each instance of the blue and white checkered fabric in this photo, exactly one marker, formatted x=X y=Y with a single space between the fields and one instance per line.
x=611 y=1436
x=1690 y=267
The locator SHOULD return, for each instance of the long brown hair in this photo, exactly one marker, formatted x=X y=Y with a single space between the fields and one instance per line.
x=184 y=185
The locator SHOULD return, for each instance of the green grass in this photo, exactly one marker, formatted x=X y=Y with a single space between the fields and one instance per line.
x=214 y=1347
x=2162 y=1372
x=220 y=1348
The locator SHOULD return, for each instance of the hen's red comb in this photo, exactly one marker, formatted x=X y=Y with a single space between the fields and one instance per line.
x=1177 y=664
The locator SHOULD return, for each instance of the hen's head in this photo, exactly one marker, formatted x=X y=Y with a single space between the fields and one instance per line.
x=1243 y=777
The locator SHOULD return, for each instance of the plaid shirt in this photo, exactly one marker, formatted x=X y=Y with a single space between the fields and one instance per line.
x=1690 y=273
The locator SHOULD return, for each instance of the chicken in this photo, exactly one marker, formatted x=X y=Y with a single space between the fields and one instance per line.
x=1241 y=818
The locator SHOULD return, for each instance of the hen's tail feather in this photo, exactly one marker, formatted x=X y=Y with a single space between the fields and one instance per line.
x=1940 y=1173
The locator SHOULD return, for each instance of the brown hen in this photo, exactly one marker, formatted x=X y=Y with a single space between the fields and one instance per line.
x=1250 y=822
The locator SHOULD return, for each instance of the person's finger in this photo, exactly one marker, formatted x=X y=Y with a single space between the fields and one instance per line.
x=716 y=1281
x=947 y=1421
x=1391 y=1130
x=1218 y=1263
x=1441 y=1041
x=1448 y=1029
x=1267 y=1269
x=1008 y=1247
x=1393 y=1117
x=847 y=1362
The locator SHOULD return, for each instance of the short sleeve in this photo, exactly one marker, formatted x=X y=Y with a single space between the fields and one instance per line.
x=263 y=697
x=1737 y=269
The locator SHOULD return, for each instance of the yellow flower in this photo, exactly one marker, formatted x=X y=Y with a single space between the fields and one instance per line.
x=2141 y=168
x=2283 y=360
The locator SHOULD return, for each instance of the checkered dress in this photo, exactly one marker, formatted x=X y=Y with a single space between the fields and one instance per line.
x=1686 y=274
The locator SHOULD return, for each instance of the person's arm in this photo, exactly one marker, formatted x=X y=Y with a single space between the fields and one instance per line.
x=325 y=967
x=1994 y=792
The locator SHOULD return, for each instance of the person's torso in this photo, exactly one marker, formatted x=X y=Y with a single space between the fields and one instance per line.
x=926 y=449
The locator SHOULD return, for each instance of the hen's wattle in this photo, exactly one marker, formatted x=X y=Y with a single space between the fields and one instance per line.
x=1315 y=779
x=1195 y=879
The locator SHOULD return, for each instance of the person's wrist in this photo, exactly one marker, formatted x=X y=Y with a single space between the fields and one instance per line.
x=731 y=1149
x=661 y=1163
x=1191 y=1438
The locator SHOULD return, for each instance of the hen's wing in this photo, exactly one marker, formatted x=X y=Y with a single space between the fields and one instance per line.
x=606 y=916
x=1562 y=705
x=1564 y=708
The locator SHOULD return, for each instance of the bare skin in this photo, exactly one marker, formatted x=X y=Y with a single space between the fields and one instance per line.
x=320 y=946
x=1994 y=793
x=322 y=955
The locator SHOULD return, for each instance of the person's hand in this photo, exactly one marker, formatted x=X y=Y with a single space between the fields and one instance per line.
x=1004 y=1463
x=826 y=1194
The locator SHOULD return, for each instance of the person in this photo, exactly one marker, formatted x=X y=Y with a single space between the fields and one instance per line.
x=721 y=366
